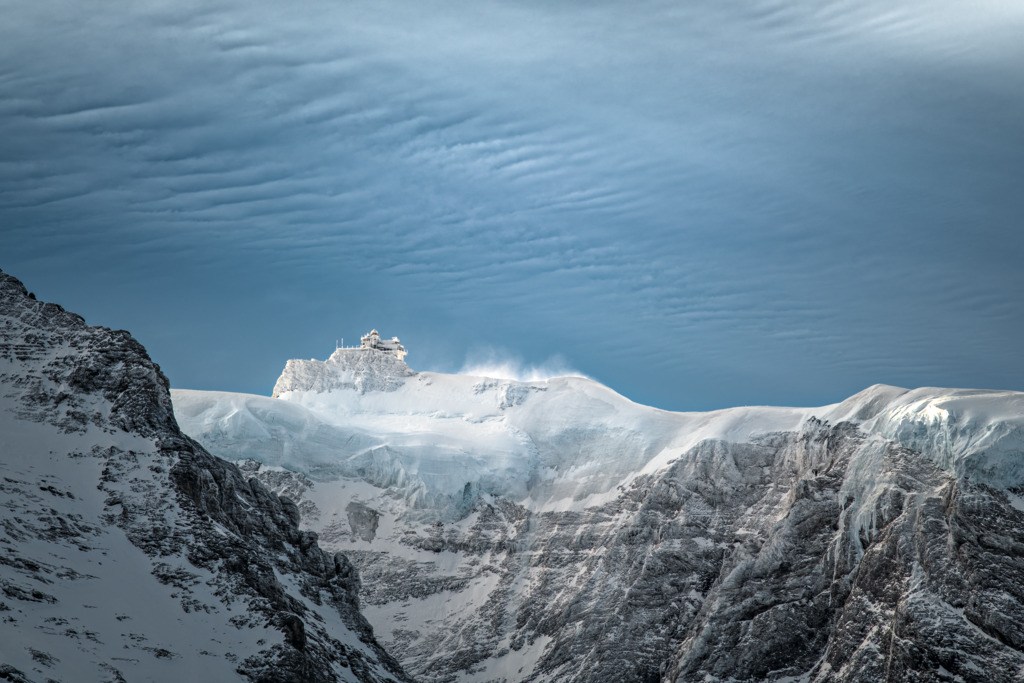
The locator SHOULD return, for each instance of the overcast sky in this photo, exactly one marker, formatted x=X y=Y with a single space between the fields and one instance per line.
x=699 y=203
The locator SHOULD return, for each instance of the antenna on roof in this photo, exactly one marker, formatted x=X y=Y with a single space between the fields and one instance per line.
x=336 y=345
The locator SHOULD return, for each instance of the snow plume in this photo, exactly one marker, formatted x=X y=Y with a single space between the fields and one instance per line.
x=501 y=364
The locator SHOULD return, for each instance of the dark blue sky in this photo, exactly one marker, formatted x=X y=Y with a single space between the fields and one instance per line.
x=701 y=204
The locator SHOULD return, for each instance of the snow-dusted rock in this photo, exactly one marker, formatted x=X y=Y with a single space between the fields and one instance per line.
x=360 y=369
x=127 y=552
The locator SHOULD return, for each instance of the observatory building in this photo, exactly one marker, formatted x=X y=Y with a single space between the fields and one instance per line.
x=392 y=346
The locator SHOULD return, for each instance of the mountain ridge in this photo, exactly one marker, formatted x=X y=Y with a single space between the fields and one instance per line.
x=555 y=531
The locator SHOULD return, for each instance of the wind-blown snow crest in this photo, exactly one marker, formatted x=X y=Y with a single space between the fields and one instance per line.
x=499 y=365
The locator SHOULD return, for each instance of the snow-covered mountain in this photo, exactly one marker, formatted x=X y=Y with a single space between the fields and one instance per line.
x=127 y=552
x=556 y=531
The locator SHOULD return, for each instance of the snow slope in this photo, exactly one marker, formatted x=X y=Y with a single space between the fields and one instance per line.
x=73 y=585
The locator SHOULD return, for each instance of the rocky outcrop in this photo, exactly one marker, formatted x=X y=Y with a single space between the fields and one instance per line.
x=362 y=370
x=128 y=551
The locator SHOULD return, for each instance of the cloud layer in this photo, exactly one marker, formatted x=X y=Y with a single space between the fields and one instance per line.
x=700 y=204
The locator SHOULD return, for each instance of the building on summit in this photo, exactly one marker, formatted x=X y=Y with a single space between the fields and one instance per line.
x=392 y=346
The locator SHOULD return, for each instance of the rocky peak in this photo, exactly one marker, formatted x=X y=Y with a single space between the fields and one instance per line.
x=56 y=367
x=128 y=551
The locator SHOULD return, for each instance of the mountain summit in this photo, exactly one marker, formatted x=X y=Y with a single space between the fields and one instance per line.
x=375 y=366
x=556 y=531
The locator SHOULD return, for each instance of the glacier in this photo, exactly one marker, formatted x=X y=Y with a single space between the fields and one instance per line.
x=553 y=530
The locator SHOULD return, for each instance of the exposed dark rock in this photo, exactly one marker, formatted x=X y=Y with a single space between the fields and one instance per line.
x=362 y=520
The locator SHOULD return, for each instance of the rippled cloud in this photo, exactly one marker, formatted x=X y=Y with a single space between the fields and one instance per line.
x=698 y=203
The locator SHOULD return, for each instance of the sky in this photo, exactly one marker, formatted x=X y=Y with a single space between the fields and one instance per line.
x=700 y=204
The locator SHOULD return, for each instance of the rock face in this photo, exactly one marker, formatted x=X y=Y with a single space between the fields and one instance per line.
x=361 y=370
x=880 y=539
x=127 y=552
